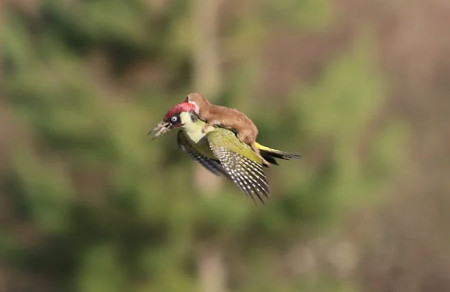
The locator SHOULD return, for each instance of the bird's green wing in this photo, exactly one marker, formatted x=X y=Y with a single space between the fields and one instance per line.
x=228 y=138
x=246 y=173
x=211 y=164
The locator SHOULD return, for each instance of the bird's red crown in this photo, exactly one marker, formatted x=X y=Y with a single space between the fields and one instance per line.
x=179 y=108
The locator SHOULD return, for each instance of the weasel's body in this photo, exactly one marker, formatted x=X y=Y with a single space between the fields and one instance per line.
x=228 y=118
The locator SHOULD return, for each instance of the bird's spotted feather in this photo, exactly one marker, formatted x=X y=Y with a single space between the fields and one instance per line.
x=227 y=156
x=245 y=173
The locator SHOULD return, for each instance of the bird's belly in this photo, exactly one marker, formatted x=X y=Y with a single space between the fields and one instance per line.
x=200 y=142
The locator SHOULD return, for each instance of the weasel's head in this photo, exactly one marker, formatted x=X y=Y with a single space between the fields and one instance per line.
x=198 y=100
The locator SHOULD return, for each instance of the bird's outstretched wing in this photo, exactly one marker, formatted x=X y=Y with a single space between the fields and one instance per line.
x=212 y=165
x=247 y=174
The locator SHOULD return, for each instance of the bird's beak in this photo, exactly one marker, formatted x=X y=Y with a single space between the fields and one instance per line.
x=161 y=128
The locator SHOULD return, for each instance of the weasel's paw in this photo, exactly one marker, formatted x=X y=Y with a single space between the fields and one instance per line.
x=208 y=128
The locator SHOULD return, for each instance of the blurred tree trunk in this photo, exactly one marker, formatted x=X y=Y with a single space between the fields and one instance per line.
x=207 y=80
x=211 y=268
x=207 y=71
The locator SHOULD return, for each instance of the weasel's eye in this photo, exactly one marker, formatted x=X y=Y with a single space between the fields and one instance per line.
x=174 y=119
x=193 y=117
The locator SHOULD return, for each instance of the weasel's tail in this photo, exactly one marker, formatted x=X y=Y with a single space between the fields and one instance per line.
x=270 y=154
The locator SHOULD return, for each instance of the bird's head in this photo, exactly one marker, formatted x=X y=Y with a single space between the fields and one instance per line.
x=172 y=118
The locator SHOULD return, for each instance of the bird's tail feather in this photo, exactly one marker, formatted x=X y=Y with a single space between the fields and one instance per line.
x=270 y=154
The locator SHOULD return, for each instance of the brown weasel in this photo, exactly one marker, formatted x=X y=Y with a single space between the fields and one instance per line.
x=228 y=118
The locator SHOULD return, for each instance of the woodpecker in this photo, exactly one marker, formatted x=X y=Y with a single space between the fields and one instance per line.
x=220 y=151
x=228 y=118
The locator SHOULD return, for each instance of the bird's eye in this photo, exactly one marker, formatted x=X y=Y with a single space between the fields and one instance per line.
x=174 y=119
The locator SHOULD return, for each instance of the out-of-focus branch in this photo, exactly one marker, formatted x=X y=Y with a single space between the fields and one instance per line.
x=207 y=80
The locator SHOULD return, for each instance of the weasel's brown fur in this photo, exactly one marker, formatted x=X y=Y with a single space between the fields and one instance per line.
x=227 y=118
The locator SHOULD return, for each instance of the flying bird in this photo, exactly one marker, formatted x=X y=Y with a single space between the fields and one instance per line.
x=221 y=151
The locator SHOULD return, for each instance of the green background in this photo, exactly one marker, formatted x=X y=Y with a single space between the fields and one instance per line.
x=359 y=88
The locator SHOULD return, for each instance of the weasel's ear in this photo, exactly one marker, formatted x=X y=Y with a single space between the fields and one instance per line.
x=187 y=98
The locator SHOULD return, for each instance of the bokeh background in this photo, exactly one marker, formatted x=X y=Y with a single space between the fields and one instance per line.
x=359 y=88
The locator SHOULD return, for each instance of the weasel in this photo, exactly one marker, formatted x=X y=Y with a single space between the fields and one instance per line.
x=228 y=118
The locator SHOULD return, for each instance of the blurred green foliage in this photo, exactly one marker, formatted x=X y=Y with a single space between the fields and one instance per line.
x=113 y=210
